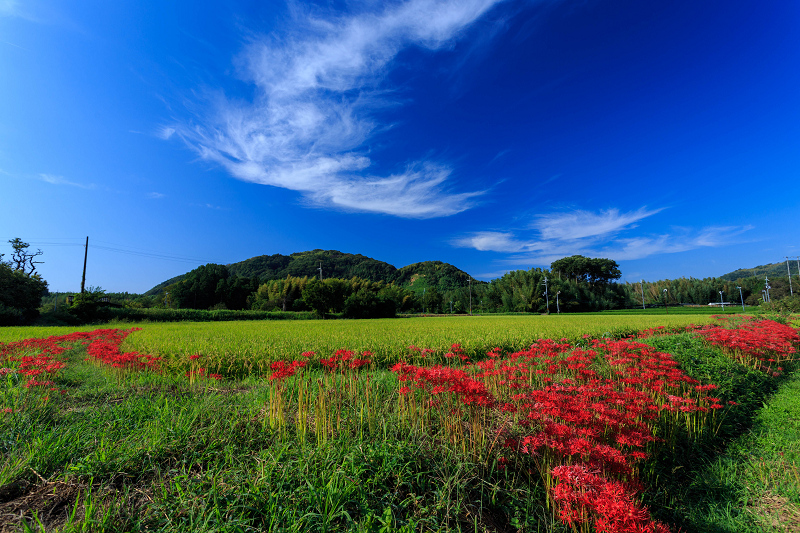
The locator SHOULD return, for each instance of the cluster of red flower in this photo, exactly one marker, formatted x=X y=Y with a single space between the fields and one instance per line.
x=572 y=411
x=343 y=360
x=438 y=379
x=759 y=343
x=282 y=370
x=104 y=347
x=583 y=493
x=455 y=351
x=43 y=363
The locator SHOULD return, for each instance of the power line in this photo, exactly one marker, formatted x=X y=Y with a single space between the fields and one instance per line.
x=120 y=249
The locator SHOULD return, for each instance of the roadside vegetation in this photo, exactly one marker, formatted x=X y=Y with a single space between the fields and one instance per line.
x=593 y=432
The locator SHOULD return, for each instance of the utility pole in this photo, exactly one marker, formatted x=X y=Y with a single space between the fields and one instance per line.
x=546 y=296
x=320 y=270
x=85 y=255
x=642 y=286
x=740 y=296
x=721 y=301
x=666 y=306
x=767 y=288
x=788 y=270
x=558 y=308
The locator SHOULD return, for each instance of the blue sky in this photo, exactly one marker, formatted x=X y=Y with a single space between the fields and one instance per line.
x=493 y=135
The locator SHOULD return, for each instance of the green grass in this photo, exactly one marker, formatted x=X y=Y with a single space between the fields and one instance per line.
x=747 y=479
x=153 y=454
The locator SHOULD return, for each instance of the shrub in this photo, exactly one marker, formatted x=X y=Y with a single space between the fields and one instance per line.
x=20 y=296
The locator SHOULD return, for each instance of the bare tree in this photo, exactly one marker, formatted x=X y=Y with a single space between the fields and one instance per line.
x=21 y=259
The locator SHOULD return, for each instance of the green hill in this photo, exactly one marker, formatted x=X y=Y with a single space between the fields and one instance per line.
x=335 y=264
x=442 y=276
x=773 y=270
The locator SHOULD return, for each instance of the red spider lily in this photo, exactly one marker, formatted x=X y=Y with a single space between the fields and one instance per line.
x=759 y=343
x=584 y=495
x=344 y=360
x=102 y=345
x=282 y=370
x=559 y=410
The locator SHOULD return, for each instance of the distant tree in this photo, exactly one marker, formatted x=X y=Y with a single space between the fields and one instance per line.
x=369 y=304
x=586 y=269
x=201 y=288
x=318 y=296
x=21 y=258
x=21 y=289
x=89 y=306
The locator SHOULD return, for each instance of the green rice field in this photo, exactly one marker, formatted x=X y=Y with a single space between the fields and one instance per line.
x=241 y=348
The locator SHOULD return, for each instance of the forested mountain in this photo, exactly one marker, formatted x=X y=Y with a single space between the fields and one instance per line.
x=341 y=265
x=335 y=264
x=158 y=289
x=435 y=274
x=773 y=270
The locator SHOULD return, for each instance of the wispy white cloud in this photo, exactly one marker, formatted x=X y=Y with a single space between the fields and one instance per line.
x=597 y=234
x=156 y=195
x=164 y=133
x=581 y=224
x=60 y=180
x=491 y=241
x=318 y=90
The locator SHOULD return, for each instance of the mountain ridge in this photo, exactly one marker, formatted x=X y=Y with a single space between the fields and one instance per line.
x=336 y=264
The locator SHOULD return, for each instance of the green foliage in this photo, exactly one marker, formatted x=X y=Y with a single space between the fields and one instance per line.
x=20 y=295
x=356 y=297
x=789 y=304
x=524 y=291
x=433 y=274
x=240 y=347
x=282 y=295
x=162 y=456
x=704 y=291
x=586 y=269
x=90 y=306
x=366 y=303
x=211 y=286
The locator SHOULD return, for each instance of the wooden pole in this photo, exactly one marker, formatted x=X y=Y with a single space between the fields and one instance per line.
x=85 y=255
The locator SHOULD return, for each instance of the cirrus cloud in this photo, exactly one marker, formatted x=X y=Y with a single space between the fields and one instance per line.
x=595 y=234
x=318 y=89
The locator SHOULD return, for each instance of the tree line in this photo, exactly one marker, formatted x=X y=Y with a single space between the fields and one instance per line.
x=572 y=284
